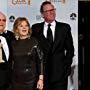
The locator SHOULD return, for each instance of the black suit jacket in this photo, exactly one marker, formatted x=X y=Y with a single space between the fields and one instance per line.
x=5 y=67
x=59 y=57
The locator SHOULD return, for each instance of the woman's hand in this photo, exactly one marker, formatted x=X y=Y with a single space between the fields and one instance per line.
x=40 y=84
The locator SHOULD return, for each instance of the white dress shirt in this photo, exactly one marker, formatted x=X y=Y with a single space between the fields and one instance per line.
x=5 y=46
x=53 y=24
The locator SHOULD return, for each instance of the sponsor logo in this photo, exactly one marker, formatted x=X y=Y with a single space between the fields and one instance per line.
x=15 y=2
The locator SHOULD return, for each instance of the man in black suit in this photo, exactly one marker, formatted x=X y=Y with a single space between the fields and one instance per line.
x=59 y=52
x=5 y=62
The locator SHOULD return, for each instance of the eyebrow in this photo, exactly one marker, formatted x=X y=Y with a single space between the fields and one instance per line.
x=4 y=20
x=50 y=10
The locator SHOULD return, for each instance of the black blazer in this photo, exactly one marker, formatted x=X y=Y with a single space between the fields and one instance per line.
x=5 y=67
x=60 y=57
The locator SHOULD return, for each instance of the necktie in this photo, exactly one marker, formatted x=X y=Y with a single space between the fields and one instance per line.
x=49 y=34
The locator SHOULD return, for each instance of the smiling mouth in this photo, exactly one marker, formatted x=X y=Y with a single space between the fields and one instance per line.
x=24 y=30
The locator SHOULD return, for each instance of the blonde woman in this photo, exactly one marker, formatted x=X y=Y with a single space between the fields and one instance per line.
x=27 y=58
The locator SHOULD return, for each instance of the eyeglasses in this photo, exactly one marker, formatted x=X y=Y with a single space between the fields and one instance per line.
x=50 y=10
x=4 y=20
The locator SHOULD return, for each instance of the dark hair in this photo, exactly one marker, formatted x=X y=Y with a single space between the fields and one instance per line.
x=43 y=4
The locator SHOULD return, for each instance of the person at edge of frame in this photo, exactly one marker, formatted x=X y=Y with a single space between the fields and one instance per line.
x=6 y=37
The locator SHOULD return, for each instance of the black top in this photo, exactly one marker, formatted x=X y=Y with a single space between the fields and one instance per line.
x=28 y=59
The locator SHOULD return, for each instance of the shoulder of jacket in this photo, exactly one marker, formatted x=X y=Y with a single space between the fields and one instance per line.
x=36 y=24
x=8 y=31
x=63 y=24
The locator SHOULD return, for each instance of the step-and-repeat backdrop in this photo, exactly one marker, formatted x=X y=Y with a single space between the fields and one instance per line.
x=66 y=11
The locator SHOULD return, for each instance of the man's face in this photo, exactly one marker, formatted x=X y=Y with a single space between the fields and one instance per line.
x=49 y=13
x=2 y=22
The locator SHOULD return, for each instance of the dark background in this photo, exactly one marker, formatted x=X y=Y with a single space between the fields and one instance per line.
x=84 y=44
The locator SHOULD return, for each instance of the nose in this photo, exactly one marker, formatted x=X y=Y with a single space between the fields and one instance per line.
x=24 y=27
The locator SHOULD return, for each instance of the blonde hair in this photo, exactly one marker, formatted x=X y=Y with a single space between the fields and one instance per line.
x=17 y=22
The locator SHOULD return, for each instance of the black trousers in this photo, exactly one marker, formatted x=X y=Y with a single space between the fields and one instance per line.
x=57 y=85
x=30 y=85
x=5 y=87
x=5 y=79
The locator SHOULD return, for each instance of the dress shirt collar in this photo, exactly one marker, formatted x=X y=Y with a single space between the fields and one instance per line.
x=52 y=24
x=4 y=32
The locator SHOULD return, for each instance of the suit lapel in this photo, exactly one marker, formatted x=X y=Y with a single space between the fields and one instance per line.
x=42 y=30
x=57 y=36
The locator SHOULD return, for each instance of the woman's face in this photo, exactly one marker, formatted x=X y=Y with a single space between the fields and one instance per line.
x=23 y=29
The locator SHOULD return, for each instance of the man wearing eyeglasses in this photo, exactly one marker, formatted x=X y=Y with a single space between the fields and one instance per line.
x=58 y=52
x=5 y=54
